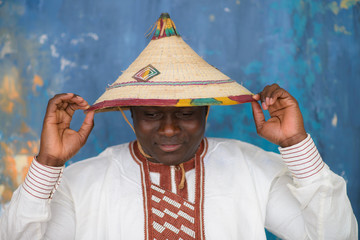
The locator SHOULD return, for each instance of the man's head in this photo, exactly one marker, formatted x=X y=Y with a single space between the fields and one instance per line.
x=170 y=135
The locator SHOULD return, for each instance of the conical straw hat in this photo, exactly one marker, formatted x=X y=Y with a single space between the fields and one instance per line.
x=169 y=73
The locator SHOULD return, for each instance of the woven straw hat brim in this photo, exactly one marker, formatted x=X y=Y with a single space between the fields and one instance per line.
x=180 y=78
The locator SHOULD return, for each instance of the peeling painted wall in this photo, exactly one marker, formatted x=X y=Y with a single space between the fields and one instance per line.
x=309 y=47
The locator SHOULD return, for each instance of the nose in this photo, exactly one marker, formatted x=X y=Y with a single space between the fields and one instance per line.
x=169 y=126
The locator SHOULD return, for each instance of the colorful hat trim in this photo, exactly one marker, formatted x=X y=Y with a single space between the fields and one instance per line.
x=172 y=83
x=112 y=105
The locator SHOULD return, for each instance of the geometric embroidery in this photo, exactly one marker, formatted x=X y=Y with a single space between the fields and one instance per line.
x=170 y=215
x=172 y=202
x=155 y=199
x=157 y=189
x=188 y=231
x=158 y=227
x=186 y=216
x=168 y=212
x=158 y=212
x=146 y=73
x=173 y=217
x=189 y=205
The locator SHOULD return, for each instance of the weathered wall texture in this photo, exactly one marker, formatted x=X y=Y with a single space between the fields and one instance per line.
x=310 y=47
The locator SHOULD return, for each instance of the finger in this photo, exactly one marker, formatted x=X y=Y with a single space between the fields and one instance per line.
x=281 y=99
x=63 y=105
x=64 y=99
x=80 y=101
x=266 y=93
x=74 y=104
x=264 y=105
x=278 y=94
x=258 y=115
x=64 y=117
x=87 y=126
x=71 y=108
x=256 y=97
x=57 y=102
x=68 y=102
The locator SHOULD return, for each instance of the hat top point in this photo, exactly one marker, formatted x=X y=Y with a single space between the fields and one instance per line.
x=163 y=27
x=165 y=15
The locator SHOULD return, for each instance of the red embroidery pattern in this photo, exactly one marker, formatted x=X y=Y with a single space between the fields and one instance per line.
x=169 y=215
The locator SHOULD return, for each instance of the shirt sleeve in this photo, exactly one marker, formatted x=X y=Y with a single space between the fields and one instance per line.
x=42 y=181
x=309 y=201
x=29 y=212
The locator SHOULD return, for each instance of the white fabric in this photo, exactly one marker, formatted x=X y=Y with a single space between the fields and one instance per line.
x=246 y=189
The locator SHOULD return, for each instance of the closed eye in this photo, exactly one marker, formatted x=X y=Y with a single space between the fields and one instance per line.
x=184 y=115
x=152 y=115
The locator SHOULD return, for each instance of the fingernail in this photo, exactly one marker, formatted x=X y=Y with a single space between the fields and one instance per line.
x=264 y=105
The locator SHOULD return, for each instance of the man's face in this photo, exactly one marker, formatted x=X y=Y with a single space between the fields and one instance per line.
x=170 y=135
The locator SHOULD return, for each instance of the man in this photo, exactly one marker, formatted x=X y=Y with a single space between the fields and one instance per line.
x=172 y=183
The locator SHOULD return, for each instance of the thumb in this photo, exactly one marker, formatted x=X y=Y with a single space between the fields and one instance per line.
x=258 y=114
x=86 y=126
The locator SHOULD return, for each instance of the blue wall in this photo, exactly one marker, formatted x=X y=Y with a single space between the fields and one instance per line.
x=309 y=47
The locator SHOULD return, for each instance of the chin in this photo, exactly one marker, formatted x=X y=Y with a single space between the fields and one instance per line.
x=169 y=160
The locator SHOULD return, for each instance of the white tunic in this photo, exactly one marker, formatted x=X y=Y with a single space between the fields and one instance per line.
x=245 y=190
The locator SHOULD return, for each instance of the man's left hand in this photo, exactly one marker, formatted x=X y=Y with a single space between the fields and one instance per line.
x=285 y=126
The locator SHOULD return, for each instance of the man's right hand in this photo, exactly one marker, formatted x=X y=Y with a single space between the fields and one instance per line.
x=58 y=142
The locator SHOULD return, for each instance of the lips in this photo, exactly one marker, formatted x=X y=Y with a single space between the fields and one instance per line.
x=169 y=147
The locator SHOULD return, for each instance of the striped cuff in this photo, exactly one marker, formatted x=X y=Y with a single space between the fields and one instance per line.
x=42 y=181
x=302 y=159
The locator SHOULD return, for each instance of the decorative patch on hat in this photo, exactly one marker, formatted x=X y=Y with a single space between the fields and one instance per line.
x=205 y=101
x=146 y=73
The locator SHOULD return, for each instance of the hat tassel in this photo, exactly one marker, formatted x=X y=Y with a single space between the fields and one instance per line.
x=163 y=27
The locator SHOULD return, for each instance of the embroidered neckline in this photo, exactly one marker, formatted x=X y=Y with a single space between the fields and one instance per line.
x=165 y=170
x=168 y=215
x=157 y=167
